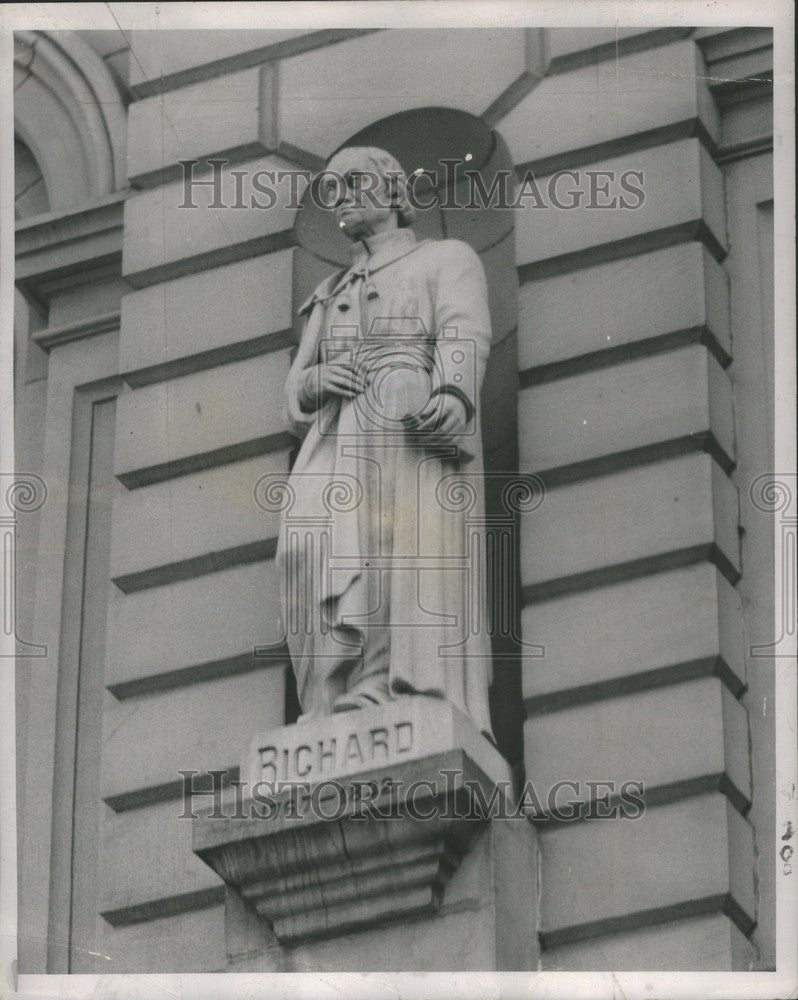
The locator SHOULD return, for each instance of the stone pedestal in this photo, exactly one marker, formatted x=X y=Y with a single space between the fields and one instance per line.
x=369 y=840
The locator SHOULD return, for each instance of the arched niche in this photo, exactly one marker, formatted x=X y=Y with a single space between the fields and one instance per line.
x=422 y=139
x=68 y=117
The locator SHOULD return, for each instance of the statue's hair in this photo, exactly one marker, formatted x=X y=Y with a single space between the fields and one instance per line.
x=390 y=170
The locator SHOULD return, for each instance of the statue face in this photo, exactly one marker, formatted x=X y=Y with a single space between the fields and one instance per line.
x=358 y=195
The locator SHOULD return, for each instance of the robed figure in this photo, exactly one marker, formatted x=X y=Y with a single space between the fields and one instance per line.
x=380 y=556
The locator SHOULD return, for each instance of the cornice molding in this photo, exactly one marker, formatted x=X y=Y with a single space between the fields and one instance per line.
x=55 y=336
x=61 y=250
x=739 y=63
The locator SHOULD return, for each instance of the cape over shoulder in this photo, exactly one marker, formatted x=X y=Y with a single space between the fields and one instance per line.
x=322 y=291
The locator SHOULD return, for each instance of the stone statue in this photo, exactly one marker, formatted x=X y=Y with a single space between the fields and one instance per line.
x=380 y=566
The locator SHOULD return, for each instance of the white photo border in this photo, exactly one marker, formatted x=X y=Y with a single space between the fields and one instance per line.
x=403 y=14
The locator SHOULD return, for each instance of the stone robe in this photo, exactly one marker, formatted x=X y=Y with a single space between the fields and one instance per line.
x=380 y=554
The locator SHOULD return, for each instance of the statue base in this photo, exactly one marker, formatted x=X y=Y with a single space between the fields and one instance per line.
x=357 y=830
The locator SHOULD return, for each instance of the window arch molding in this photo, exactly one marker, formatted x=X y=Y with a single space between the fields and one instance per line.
x=69 y=113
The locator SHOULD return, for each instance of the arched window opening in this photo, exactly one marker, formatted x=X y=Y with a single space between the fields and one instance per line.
x=30 y=189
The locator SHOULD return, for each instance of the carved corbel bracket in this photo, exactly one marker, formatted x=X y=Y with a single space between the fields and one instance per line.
x=333 y=853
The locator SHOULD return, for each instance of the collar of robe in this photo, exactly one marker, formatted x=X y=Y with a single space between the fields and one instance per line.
x=382 y=248
x=368 y=255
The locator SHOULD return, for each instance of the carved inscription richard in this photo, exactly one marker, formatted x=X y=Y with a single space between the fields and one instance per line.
x=356 y=750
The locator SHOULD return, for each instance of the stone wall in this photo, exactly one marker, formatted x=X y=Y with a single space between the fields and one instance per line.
x=154 y=358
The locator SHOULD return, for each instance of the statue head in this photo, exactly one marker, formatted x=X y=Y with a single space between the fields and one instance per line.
x=367 y=187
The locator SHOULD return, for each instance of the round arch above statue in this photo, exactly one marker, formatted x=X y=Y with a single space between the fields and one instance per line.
x=423 y=139
x=69 y=114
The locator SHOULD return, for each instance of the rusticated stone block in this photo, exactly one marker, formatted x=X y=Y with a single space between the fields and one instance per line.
x=621 y=739
x=627 y=405
x=208 y=316
x=655 y=295
x=688 y=857
x=149 y=740
x=189 y=517
x=608 y=640
x=172 y=870
x=230 y=114
x=165 y=53
x=163 y=240
x=592 y=43
x=680 y=190
x=641 y=518
x=186 y=942
x=695 y=944
x=209 y=619
x=199 y=420
x=610 y=101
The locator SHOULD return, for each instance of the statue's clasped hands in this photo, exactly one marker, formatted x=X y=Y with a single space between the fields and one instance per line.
x=442 y=419
x=338 y=378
